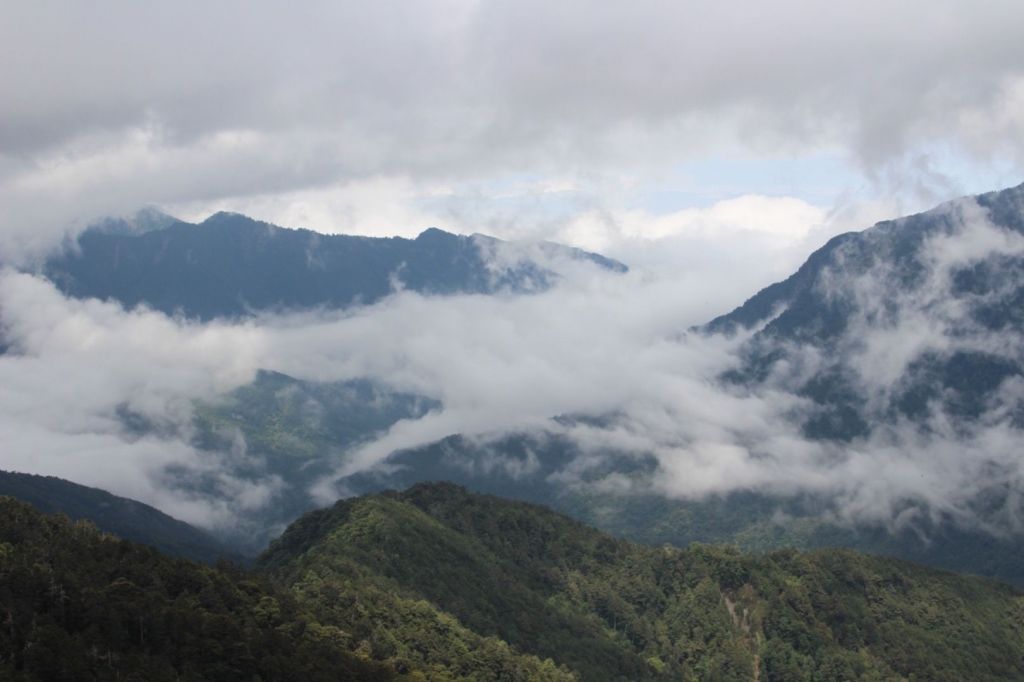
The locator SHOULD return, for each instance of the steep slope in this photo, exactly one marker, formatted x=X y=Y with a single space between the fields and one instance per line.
x=918 y=319
x=800 y=304
x=231 y=265
x=121 y=516
x=80 y=605
x=611 y=610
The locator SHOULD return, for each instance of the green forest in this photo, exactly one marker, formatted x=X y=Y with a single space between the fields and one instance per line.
x=437 y=583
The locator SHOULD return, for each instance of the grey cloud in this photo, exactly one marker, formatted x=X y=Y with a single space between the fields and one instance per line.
x=611 y=346
x=76 y=365
x=114 y=105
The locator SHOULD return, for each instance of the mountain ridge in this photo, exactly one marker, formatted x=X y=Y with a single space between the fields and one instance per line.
x=122 y=516
x=1006 y=207
x=531 y=576
x=436 y=582
x=230 y=266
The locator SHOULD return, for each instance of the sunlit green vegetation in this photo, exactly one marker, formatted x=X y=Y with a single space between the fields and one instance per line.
x=613 y=610
x=440 y=584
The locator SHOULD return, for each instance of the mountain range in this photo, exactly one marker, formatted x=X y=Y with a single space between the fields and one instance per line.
x=904 y=341
x=438 y=583
x=231 y=265
x=948 y=279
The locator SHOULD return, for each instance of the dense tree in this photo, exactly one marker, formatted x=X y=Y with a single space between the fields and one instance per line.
x=613 y=610
x=76 y=604
x=440 y=584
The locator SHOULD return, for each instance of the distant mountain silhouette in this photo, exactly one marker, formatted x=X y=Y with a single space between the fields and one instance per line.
x=231 y=265
x=950 y=280
x=121 y=516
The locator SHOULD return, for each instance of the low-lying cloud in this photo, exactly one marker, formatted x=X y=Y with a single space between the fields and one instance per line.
x=614 y=346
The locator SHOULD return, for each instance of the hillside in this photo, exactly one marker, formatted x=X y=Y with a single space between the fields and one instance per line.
x=231 y=265
x=916 y=320
x=438 y=583
x=296 y=430
x=612 y=610
x=121 y=516
x=82 y=605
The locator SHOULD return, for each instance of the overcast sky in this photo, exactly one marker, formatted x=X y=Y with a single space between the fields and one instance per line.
x=711 y=146
x=688 y=126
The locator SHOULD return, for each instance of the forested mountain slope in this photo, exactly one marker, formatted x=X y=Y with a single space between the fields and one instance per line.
x=81 y=605
x=121 y=516
x=438 y=583
x=612 y=610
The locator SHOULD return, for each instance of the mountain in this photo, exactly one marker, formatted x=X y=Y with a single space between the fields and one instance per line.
x=230 y=265
x=82 y=605
x=286 y=430
x=909 y=320
x=800 y=306
x=438 y=583
x=607 y=609
x=905 y=339
x=118 y=515
x=534 y=467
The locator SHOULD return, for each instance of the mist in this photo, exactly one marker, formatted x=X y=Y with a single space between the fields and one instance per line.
x=616 y=346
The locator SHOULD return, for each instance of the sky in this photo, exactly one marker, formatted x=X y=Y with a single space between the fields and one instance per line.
x=607 y=127
x=710 y=146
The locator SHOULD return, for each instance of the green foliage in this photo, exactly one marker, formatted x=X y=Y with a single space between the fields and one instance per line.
x=125 y=518
x=759 y=522
x=77 y=605
x=611 y=610
x=440 y=584
x=295 y=430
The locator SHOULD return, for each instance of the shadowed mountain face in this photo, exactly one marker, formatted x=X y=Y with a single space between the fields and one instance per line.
x=118 y=515
x=918 y=320
x=231 y=265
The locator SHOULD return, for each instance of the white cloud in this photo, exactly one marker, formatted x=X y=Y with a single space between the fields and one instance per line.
x=513 y=118
x=596 y=345
x=269 y=108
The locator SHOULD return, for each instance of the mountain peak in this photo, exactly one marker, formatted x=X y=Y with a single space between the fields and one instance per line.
x=226 y=216
x=433 y=233
x=146 y=219
x=232 y=259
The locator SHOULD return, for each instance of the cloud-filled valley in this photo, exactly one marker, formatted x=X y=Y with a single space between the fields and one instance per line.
x=612 y=363
x=507 y=339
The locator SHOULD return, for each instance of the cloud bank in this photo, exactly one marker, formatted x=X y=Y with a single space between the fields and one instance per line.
x=617 y=347
x=264 y=106
x=605 y=127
